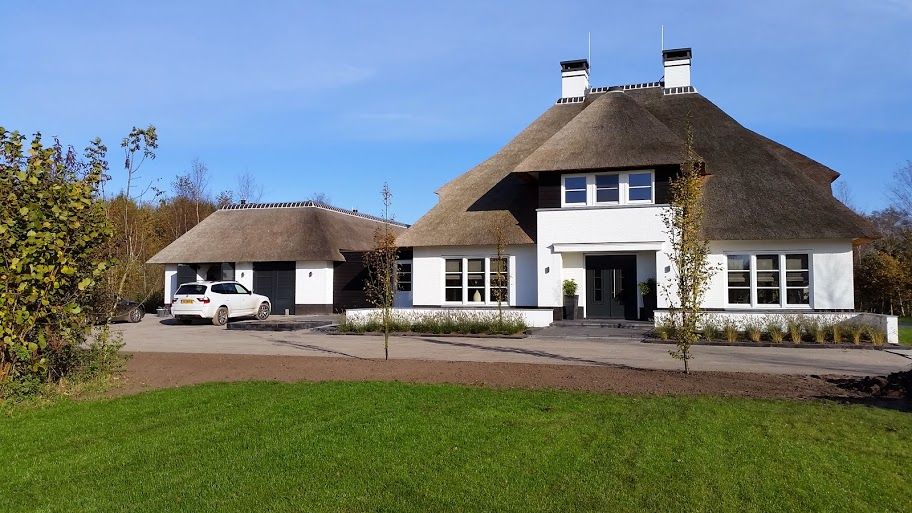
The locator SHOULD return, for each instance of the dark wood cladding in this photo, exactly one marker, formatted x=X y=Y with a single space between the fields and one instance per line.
x=349 y=278
x=549 y=186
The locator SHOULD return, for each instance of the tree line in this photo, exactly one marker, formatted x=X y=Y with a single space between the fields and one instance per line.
x=883 y=268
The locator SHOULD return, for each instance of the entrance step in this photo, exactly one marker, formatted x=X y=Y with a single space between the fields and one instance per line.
x=605 y=323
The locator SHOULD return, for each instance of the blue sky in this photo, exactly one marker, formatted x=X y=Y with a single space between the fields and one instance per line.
x=338 y=97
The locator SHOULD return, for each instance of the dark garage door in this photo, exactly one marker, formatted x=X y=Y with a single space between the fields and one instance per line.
x=276 y=280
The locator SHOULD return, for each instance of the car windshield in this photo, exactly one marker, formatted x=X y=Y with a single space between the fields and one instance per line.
x=191 y=289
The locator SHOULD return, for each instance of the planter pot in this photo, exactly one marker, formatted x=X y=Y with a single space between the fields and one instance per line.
x=570 y=305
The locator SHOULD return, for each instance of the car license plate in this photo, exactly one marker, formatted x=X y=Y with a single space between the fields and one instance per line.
x=186 y=301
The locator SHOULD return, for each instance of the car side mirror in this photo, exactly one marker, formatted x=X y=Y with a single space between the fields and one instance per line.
x=249 y=293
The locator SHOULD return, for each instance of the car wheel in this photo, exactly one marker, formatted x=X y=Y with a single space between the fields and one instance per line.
x=135 y=315
x=263 y=312
x=221 y=316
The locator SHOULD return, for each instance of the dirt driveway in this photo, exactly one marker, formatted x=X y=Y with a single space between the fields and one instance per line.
x=155 y=335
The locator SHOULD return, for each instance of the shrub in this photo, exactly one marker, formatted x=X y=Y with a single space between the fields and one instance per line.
x=877 y=336
x=440 y=322
x=837 y=331
x=774 y=330
x=730 y=330
x=569 y=287
x=816 y=330
x=855 y=330
x=753 y=331
x=665 y=330
x=794 y=326
x=711 y=330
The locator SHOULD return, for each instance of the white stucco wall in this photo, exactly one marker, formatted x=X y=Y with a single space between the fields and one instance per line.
x=313 y=283
x=170 y=282
x=831 y=270
x=566 y=235
x=428 y=272
x=243 y=274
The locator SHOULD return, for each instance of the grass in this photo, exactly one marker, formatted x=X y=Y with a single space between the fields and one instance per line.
x=395 y=447
x=905 y=331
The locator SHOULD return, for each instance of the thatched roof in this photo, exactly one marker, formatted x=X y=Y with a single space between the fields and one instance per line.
x=757 y=188
x=614 y=132
x=274 y=232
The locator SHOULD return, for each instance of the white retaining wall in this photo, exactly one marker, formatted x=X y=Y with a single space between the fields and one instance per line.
x=887 y=323
x=535 y=318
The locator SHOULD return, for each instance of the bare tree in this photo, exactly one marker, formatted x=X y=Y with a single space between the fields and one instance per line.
x=843 y=193
x=248 y=189
x=199 y=182
x=223 y=199
x=901 y=193
x=319 y=197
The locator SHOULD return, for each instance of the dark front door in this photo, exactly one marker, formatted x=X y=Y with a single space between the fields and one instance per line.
x=276 y=280
x=611 y=287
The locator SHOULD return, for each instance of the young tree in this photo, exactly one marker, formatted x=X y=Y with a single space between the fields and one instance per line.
x=499 y=273
x=380 y=286
x=689 y=253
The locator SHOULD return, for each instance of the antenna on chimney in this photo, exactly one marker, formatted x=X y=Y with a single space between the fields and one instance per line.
x=663 y=37
x=589 y=48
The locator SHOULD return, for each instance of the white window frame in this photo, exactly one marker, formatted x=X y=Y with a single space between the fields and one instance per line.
x=623 y=189
x=783 y=302
x=486 y=300
x=411 y=280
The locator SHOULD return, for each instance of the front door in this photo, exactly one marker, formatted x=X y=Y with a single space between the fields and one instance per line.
x=610 y=287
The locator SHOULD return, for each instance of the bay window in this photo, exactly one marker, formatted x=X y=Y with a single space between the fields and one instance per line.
x=476 y=280
x=620 y=188
x=768 y=280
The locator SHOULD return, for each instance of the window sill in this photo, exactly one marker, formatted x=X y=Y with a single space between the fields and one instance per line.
x=601 y=206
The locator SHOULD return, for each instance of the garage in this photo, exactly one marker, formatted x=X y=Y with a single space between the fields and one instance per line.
x=276 y=280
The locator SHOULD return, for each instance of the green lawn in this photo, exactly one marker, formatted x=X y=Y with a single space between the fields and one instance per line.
x=395 y=447
x=905 y=331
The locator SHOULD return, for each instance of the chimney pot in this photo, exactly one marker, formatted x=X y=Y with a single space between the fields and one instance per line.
x=677 y=67
x=243 y=202
x=574 y=78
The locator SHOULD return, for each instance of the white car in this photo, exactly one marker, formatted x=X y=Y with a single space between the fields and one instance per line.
x=217 y=300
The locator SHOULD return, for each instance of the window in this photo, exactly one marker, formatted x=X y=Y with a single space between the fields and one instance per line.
x=453 y=280
x=797 y=280
x=739 y=279
x=639 y=187
x=404 y=277
x=608 y=189
x=769 y=279
x=240 y=289
x=575 y=190
x=476 y=280
x=224 y=288
x=499 y=280
x=190 y=290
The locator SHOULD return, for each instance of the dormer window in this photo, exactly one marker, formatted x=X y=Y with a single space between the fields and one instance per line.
x=596 y=189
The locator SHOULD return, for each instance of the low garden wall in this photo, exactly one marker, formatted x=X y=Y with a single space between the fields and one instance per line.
x=888 y=324
x=533 y=317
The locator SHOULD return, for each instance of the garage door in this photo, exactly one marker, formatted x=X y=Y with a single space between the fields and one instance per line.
x=276 y=280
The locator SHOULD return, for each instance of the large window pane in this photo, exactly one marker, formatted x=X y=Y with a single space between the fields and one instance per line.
x=739 y=262
x=739 y=279
x=796 y=262
x=499 y=280
x=454 y=294
x=768 y=296
x=639 y=186
x=739 y=296
x=640 y=180
x=575 y=189
x=454 y=265
x=607 y=188
x=767 y=262
x=404 y=277
x=797 y=279
x=768 y=279
x=607 y=195
x=798 y=296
